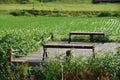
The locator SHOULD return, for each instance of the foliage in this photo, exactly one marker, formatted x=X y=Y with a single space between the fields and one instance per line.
x=7 y=1
x=19 y=71
x=109 y=14
x=24 y=42
x=62 y=6
x=108 y=63
x=117 y=14
x=105 y=14
x=19 y=13
x=19 y=42
x=23 y=1
x=27 y=1
x=104 y=67
x=3 y=60
x=25 y=32
x=16 y=1
x=59 y=13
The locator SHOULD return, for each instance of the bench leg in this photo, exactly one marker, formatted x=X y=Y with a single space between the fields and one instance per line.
x=44 y=53
x=91 y=38
x=69 y=38
x=103 y=39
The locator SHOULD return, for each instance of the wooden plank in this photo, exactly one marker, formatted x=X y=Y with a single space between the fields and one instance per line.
x=45 y=46
x=86 y=33
x=67 y=46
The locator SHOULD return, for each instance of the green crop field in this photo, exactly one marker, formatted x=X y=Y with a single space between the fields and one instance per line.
x=59 y=25
x=24 y=32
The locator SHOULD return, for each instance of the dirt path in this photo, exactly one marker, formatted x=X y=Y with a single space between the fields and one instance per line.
x=99 y=47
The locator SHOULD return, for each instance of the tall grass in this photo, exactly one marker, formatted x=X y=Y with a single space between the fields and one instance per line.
x=104 y=67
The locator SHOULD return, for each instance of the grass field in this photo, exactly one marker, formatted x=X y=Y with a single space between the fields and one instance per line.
x=23 y=33
x=64 y=6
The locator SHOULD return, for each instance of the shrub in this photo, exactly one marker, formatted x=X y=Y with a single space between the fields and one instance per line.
x=7 y=1
x=18 y=42
x=20 y=13
x=104 y=67
x=108 y=63
x=116 y=14
x=3 y=60
x=105 y=14
x=18 y=72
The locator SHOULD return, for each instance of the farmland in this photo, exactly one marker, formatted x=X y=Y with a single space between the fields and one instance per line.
x=59 y=25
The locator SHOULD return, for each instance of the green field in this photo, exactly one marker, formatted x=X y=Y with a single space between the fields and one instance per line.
x=24 y=32
x=59 y=25
x=63 y=6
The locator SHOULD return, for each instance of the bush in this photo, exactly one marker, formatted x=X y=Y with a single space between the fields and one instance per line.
x=16 y=1
x=57 y=13
x=18 y=72
x=104 y=66
x=116 y=14
x=18 y=42
x=105 y=14
x=7 y=1
x=3 y=60
x=20 y=13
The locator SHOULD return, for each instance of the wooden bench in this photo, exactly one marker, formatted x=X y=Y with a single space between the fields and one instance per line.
x=86 y=33
x=45 y=46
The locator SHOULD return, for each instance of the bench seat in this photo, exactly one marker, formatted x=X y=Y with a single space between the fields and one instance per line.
x=73 y=46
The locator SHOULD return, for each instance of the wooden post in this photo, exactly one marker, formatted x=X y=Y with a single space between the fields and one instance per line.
x=44 y=53
x=9 y=54
x=69 y=38
x=68 y=53
x=91 y=38
x=68 y=56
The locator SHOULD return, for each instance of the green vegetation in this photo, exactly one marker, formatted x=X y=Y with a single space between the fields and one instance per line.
x=57 y=13
x=63 y=6
x=24 y=33
x=16 y=1
x=28 y=1
x=104 y=67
